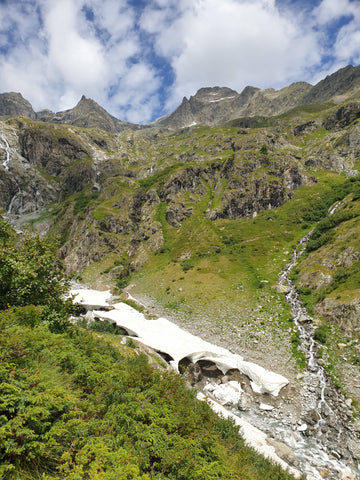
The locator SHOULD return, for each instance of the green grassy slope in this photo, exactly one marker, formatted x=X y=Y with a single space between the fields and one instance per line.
x=79 y=406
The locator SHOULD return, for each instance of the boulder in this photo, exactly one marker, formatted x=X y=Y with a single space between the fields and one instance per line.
x=284 y=452
x=245 y=402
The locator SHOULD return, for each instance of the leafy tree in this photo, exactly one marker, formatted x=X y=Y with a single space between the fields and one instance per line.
x=264 y=149
x=32 y=274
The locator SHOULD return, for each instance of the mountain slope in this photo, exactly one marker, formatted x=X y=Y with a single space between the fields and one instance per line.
x=199 y=222
x=79 y=405
x=345 y=81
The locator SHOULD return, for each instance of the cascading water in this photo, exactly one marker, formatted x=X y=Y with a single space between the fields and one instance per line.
x=4 y=144
x=320 y=399
x=16 y=199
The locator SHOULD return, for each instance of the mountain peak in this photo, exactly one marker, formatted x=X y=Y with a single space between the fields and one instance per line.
x=13 y=104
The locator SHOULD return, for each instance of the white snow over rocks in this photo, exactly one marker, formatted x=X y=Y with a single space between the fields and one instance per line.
x=91 y=299
x=167 y=337
x=228 y=393
x=252 y=435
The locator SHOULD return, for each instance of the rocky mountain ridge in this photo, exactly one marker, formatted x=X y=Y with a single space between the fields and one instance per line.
x=87 y=113
x=209 y=106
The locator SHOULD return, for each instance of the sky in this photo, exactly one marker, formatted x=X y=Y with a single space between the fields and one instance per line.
x=139 y=58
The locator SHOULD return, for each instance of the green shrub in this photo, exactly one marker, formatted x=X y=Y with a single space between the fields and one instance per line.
x=82 y=200
x=187 y=265
x=320 y=334
x=264 y=149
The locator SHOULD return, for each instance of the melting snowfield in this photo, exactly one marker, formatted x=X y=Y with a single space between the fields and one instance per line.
x=168 y=338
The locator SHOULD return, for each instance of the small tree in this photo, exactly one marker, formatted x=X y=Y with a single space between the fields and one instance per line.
x=264 y=149
x=32 y=274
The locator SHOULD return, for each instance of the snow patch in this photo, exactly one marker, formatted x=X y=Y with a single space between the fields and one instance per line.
x=91 y=299
x=221 y=99
x=227 y=393
x=165 y=336
x=253 y=437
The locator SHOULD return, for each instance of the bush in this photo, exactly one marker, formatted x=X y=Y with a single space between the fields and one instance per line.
x=320 y=334
x=32 y=274
x=264 y=149
x=187 y=265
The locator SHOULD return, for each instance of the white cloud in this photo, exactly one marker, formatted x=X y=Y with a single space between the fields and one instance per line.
x=348 y=43
x=77 y=60
x=331 y=10
x=345 y=48
x=111 y=50
x=235 y=43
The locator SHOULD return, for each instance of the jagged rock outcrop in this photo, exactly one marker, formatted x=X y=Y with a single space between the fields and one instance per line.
x=14 y=104
x=218 y=105
x=305 y=128
x=210 y=106
x=344 y=313
x=343 y=116
x=49 y=147
x=87 y=113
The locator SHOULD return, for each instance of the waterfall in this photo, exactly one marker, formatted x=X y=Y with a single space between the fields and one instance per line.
x=5 y=145
x=11 y=204
x=319 y=394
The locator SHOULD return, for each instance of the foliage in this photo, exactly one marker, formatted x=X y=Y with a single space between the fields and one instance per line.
x=31 y=273
x=324 y=230
x=101 y=326
x=133 y=304
x=82 y=200
x=264 y=149
x=72 y=406
x=320 y=334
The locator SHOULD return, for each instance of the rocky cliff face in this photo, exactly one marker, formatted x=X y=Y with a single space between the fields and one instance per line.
x=14 y=104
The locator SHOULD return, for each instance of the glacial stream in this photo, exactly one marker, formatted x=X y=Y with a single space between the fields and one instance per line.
x=323 y=406
x=299 y=447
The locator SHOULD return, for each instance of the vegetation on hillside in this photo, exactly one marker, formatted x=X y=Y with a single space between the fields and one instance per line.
x=79 y=405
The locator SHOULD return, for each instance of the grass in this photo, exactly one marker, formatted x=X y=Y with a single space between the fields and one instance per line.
x=224 y=269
